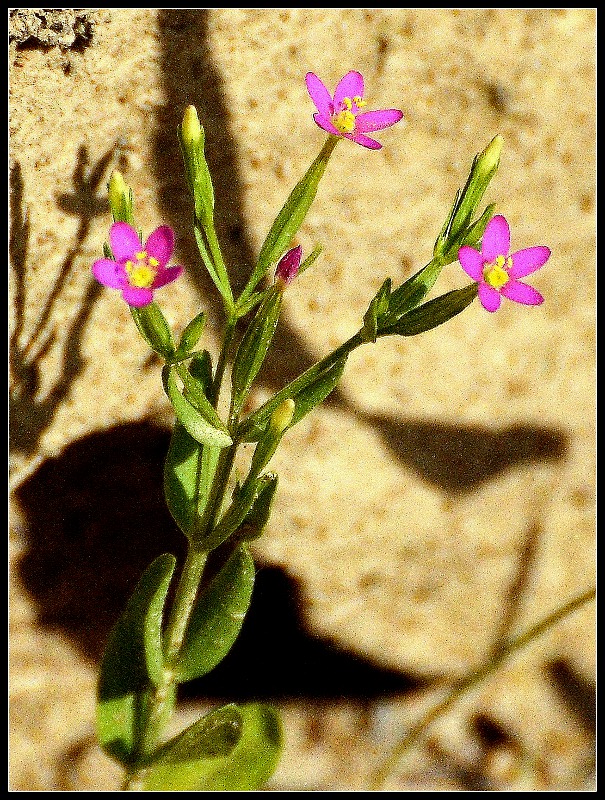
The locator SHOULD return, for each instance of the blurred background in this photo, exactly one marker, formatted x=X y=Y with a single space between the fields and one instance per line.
x=441 y=501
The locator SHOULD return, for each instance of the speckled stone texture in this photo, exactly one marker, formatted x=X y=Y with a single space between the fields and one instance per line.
x=441 y=500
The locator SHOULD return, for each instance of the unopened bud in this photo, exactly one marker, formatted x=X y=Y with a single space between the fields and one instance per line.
x=489 y=159
x=282 y=416
x=119 y=195
x=191 y=128
x=288 y=266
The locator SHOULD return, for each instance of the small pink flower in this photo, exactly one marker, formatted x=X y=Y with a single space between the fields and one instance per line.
x=497 y=272
x=137 y=271
x=288 y=266
x=340 y=115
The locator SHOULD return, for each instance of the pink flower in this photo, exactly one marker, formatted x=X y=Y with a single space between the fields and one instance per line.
x=288 y=266
x=340 y=115
x=497 y=272
x=137 y=271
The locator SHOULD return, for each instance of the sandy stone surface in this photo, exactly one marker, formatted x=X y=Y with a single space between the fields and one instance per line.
x=441 y=501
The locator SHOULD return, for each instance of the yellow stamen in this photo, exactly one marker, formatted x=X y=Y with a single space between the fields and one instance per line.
x=359 y=102
x=496 y=274
x=344 y=121
x=142 y=276
x=347 y=103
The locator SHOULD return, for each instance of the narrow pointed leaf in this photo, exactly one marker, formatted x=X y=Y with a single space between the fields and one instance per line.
x=133 y=661
x=434 y=313
x=191 y=335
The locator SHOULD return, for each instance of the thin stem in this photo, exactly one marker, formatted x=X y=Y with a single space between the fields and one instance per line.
x=473 y=679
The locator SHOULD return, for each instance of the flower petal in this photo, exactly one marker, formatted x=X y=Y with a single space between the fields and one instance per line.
x=377 y=120
x=527 y=261
x=496 y=239
x=325 y=123
x=350 y=86
x=363 y=140
x=137 y=297
x=522 y=293
x=110 y=273
x=167 y=275
x=319 y=94
x=160 y=244
x=471 y=262
x=124 y=241
x=489 y=297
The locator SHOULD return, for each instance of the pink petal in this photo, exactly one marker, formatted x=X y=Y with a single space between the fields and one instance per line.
x=124 y=241
x=496 y=239
x=109 y=273
x=319 y=94
x=325 y=123
x=167 y=275
x=350 y=86
x=527 y=261
x=377 y=120
x=522 y=293
x=160 y=244
x=489 y=297
x=363 y=140
x=471 y=262
x=137 y=297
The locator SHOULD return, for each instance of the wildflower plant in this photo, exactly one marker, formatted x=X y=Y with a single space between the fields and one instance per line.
x=178 y=625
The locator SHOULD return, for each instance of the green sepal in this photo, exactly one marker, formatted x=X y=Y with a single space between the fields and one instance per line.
x=307 y=391
x=435 y=312
x=291 y=217
x=310 y=259
x=154 y=328
x=198 y=176
x=378 y=306
x=233 y=749
x=475 y=233
x=256 y=519
x=217 y=617
x=196 y=424
x=254 y=347
x=241 y=503
x=191 y=336
x=133 y=661
x=121 y=199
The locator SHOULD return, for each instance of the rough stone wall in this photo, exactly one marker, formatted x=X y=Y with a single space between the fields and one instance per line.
x=442 y=499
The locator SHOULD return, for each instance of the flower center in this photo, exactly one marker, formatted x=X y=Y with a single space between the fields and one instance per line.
x=141 y=270
x=496 y=273
x=344 y=120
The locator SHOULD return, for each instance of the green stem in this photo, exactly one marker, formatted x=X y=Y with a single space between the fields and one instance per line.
x=299 y=383
x=473 y=679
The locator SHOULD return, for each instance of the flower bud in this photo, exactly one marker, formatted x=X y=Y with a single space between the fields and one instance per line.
x=191 y=128
x=282 y=416
x=120 y=198
x=288 y=267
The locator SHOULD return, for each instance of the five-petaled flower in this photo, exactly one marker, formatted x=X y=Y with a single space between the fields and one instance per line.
x=137 y=271
x=497 y=272
x=341 y=115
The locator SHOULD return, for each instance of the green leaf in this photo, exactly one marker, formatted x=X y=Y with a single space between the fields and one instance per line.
x=132 y=661
x=291 y=217
x=413 y=291
x=434 y=313
x=256 y=519
x=217 y=617
x=182 y=764
x=192 y=766
x=192 y=420
x=181 y=477
x=154 y=328
x=254 y=347
x=194 y=391
x=191 y=335
x=378 y=306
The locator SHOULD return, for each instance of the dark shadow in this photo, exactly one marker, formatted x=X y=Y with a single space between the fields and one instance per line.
x=30 y=414
x=95 y=517
x=578 y=693
x=458 y=458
